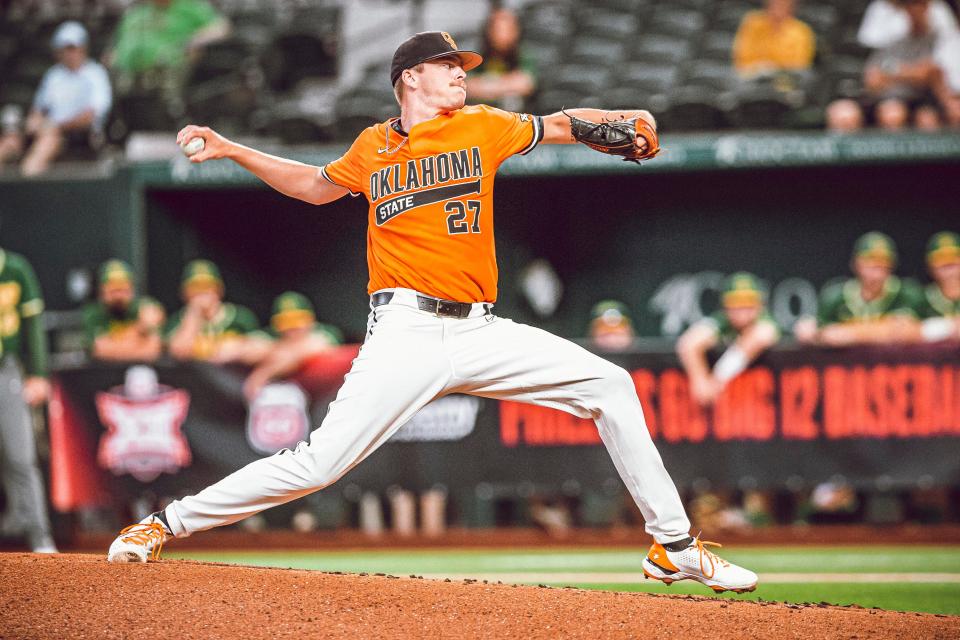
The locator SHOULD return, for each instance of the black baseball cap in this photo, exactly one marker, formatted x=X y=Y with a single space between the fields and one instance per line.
x=429 y=45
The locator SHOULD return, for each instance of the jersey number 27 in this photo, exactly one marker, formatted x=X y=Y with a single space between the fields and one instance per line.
x=457 y=220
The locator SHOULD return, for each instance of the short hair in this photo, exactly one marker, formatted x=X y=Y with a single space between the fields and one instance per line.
x=398 y=85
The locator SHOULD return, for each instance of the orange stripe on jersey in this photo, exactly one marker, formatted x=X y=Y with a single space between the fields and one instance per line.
x=430 y=222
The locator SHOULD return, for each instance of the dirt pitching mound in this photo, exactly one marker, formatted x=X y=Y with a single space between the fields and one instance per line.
x=83 y=596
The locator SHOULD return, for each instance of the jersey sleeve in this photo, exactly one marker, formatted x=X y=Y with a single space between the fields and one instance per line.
x=246 y=322
x=348 y=170
x=828 y=307
x=31 y=299
x=173 y=323
x=93 y=325
x=31 y=308
x=909 y=301
x=512 y=133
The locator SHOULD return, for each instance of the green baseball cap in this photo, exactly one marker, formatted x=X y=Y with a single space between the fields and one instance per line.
x=292 y=310
x=742 y=289
x=610 y=312
x=200 y=275
x=876 y=246
x=943 y=248
x=115 y=271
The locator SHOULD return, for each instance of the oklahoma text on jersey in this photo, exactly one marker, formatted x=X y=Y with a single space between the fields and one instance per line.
x=430 y=194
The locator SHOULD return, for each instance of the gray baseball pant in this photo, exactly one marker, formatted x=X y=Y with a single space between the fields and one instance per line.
x=22 y=482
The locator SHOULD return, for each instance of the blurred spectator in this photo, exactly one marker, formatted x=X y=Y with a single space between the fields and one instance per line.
x=905 y=82
x=886 y=22
x=69 y=109
x=713 y=511
x=610 y=326
x=939 y=308
x=844 y=116
x=156 y=40
x=299 y=338
x=771 y=40
x=832 y=502
x=208 y=328
x=121 y=325
x=874 y=307
x=23 y=343
x=743 y=326
x=553 y=516
x=506 y=77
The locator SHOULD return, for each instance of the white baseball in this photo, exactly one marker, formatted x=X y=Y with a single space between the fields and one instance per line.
x=192 y=146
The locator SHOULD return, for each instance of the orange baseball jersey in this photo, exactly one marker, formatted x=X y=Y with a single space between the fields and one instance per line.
x=430 y=222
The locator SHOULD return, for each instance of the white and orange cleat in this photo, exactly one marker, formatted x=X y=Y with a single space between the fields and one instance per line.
x=140 y=542
x=695 y=562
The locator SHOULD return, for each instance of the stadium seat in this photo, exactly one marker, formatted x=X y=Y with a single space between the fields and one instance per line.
x=693 y=108
x=648 y=78
x=607 y=24
x=677 y=22
x=546 y=22
x=217 y=99
x=761 y=107
x=661 y=49
x=221 y=58
x=820 y=17
x=292 y=57
x=552 y=100
x=844 y=77
x=358 y=109
x=728 y=15
x=717 y=74
x=542 y=54
x=716 y=45
x=631 y=97
x=587 y=79
x=146 y=111
x=595 y=51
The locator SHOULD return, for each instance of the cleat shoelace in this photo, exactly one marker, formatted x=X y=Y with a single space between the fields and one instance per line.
x=146 y=534
x=712 y=558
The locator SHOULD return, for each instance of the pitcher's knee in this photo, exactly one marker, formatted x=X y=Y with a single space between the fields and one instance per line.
x=612 y=380
x=621 y=381
x=323 y=470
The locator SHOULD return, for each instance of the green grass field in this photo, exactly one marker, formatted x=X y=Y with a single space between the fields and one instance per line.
x=900 y=578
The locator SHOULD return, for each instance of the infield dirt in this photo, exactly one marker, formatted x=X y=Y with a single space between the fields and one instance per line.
x=83 y=596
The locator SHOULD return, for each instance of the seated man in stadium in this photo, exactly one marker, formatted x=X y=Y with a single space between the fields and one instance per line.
x=939 y=307
x=156 y=39
x=121 y=325
x=905 y=79
x=610 y=326
x=208 y=328
x=69 y=109
x=772 y=40
x=886 y=21
x=506 y=77
x=743 y=326
x=875 y=307
x=299 y=338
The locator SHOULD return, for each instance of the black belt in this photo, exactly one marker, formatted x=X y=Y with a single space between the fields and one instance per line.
x=436 y=306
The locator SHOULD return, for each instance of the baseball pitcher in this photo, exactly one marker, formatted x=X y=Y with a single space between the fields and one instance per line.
x=428 y=177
